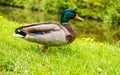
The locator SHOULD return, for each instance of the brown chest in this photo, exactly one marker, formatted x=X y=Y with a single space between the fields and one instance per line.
x=72 y=32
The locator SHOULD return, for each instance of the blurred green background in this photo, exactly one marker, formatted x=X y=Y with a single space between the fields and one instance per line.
x=102 y=17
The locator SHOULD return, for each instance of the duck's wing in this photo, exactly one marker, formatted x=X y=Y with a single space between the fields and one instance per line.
x=39 y=27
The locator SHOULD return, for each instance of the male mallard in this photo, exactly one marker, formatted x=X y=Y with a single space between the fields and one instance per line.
x=49 y=33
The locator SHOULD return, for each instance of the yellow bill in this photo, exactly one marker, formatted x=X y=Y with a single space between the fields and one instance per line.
x=79 y=18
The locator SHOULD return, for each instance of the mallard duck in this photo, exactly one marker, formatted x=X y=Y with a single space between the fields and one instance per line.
x=50 y=33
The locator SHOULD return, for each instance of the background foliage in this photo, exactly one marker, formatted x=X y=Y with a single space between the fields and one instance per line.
x=107 y=11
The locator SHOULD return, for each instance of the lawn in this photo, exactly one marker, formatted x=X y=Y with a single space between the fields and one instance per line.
x=82 y=57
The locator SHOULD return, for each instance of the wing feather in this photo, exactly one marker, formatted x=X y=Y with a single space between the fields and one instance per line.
x=39 y=27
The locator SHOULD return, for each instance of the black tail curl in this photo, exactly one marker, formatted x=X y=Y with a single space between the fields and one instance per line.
x=19 y=31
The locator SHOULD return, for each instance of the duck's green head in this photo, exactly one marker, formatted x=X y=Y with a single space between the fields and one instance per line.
x=69 y=14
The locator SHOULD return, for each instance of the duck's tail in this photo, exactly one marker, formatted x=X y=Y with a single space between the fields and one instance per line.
x=19 y=32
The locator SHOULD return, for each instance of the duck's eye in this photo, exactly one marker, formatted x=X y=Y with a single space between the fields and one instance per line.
x=71 y=15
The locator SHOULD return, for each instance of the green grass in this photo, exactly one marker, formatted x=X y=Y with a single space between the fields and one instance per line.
x=82 y=57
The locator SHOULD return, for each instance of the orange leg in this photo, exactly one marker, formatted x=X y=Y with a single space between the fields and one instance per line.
x=45 y=48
